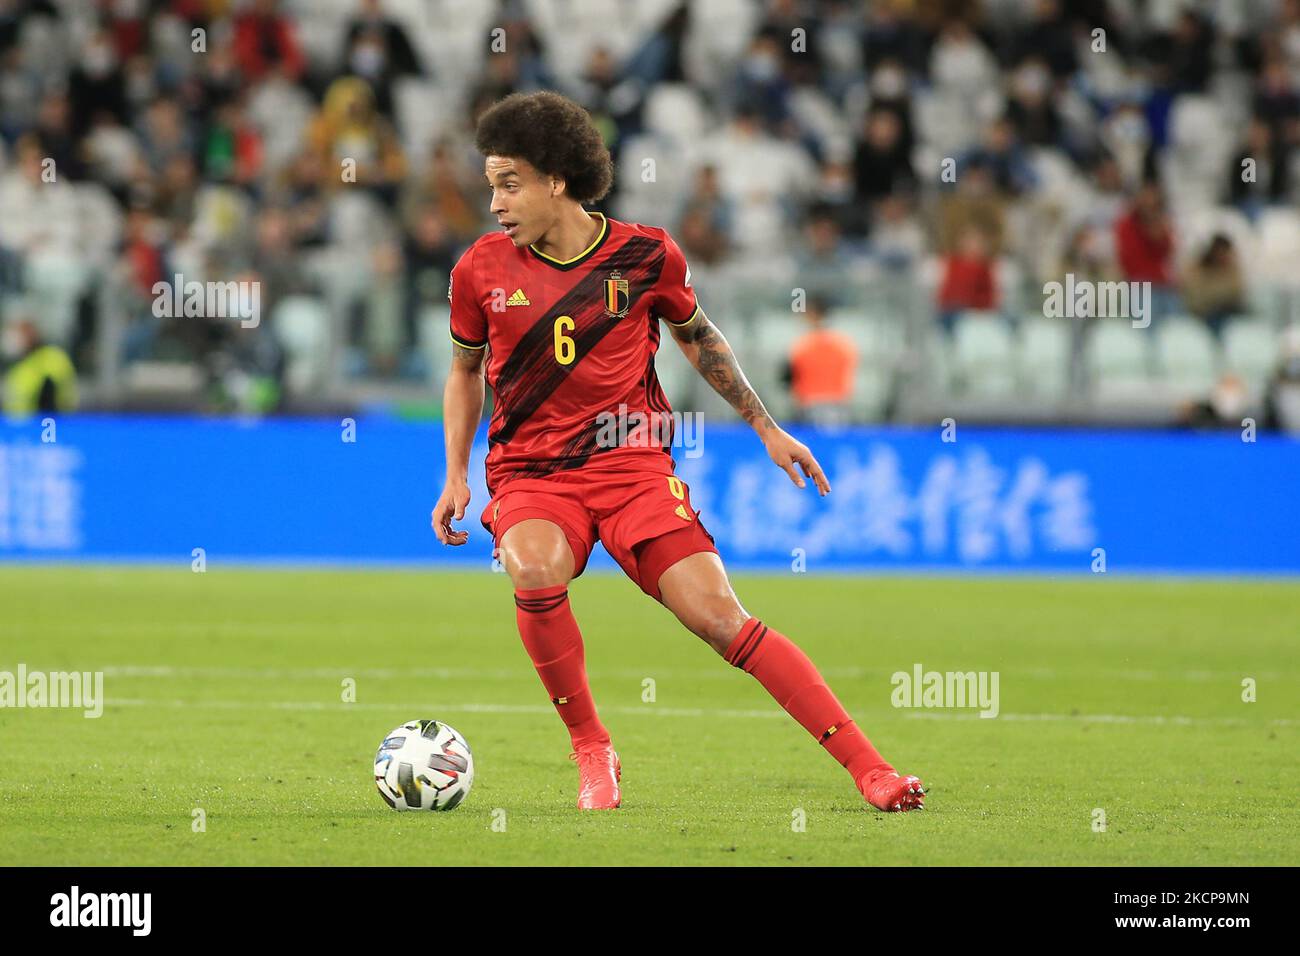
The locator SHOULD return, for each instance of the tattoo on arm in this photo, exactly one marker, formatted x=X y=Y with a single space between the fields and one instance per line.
x=470 y=360
x=709 y=352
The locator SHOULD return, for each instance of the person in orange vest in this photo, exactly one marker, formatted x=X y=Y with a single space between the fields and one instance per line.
x=821 y=368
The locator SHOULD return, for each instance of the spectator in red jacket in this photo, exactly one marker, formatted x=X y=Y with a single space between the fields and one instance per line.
x=1144 y=240
x=1144 y=246
x=968 y=280
x=264 y=41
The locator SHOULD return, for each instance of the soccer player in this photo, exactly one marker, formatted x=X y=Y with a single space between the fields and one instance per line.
x=560 y=312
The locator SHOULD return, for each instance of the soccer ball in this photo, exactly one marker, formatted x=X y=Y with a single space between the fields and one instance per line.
x=424 y=765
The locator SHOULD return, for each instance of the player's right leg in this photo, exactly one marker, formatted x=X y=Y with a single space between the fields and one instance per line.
x=541 y=560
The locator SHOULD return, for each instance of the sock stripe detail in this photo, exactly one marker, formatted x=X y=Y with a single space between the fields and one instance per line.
x=832 y=729
x=741 y=641
x=542 y=604
x=753 y=646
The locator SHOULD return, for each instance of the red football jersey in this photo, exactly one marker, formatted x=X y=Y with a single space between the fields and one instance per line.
x=571 y=348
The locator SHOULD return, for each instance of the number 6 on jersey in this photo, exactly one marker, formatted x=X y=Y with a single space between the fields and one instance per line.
x=565 y=350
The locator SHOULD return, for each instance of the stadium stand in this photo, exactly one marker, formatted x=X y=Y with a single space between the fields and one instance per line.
x=845 y=149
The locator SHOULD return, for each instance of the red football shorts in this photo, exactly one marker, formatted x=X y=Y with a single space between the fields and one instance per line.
x=644 y=520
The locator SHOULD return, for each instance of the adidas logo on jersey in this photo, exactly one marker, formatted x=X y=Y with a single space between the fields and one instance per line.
x=517 y=298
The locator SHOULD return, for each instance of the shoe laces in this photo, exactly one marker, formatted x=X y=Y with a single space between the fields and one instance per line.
x=589 y=761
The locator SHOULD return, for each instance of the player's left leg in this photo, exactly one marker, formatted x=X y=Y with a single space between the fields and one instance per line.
x=696 y=589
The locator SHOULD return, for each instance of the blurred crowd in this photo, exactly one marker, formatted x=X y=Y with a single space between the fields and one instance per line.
x=324 y=149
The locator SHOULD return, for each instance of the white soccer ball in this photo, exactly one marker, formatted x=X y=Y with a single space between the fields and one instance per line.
x=424 y=765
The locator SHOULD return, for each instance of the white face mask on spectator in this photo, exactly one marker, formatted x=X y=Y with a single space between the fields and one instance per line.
x=1032 y=81
x=1130 y=127
x=1228 y=401
x=889 y=83
x=762 y=66
x=99 y=60
x=367 y=60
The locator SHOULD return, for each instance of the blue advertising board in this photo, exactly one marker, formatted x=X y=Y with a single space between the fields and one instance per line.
x=296 y=491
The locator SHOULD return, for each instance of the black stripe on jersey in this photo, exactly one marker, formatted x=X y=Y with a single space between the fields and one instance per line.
x=530 y=375
x=657 y=402
x=655 y=399
x=575 y=453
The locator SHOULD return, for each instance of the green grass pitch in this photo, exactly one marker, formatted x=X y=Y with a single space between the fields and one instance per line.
x=224 y=694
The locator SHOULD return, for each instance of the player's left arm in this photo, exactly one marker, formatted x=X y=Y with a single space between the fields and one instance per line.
x=706 y=348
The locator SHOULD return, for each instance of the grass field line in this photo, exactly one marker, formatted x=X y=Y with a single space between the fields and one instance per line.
x=654 y=710
x=471 y=708
x=1155 y=719
x=711 y=673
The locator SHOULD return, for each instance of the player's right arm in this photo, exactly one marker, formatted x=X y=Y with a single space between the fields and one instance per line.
x=462 y=407
x=462 y=399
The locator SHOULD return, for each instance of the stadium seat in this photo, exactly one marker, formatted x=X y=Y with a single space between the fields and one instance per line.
x=1009 y=277
x=55 y=282
x=873 y=386
x=422 y=111
x=877 y=336
x=1119 y=359
x=1279 y=245
x=319 y=26
x=1043 y=355
x=774 y=333
x=281 y=112
x=301 y=324
x=1194 y=122
x=674 y=110
x=100 y=220
x=722 y=31
x=1188 y=355
x=935 y=358
x=982 y=354
x=641 y=200
x=1198 y=150
x=943 y=123
x=575 y=31
x=1250 y=349
x=1195 y=227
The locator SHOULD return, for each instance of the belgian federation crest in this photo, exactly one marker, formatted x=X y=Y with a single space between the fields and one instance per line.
x=617 y=300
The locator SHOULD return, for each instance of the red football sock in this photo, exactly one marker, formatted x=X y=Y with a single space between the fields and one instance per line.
x=554 y=643
x=794 y=682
